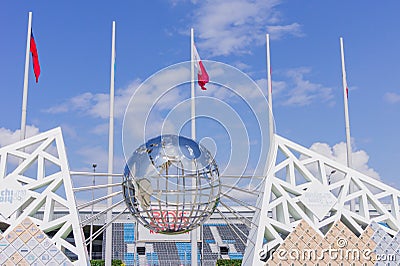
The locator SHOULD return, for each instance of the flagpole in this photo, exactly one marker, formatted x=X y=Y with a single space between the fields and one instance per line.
x=346 y=117
x=346 y=107
x=193 y=233
x=110 y=152
x=270 y=116
x=26 y=78
x=192 y=91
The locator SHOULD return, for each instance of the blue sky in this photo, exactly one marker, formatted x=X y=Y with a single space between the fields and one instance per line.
x=74 y=44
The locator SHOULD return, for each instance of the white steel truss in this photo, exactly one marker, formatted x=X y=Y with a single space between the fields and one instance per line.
x=39 y=164
x=294 y=171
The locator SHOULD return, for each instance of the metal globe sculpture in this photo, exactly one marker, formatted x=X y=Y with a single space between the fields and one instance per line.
x=171 y=184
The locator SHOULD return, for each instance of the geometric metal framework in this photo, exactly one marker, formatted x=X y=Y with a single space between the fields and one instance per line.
x=36 y=171
x=34 y=177
x=304 y=185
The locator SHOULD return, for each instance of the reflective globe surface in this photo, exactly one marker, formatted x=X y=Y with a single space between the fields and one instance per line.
x=171 y=184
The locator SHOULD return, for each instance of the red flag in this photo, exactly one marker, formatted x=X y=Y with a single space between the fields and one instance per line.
x=202 y=76
x=35 y=58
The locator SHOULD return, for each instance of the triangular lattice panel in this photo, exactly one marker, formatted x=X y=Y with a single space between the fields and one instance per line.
x=32 y=174
x=298 y=179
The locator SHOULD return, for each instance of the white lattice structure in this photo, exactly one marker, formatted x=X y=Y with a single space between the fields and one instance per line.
x=34 y=175
x=296 y=176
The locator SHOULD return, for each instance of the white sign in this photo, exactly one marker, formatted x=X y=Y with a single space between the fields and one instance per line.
x=318 y=199
x=149 y=236
x=12 y=196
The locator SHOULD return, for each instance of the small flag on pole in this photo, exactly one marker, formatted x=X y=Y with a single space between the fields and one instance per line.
x=35 y=58
x=202 y=76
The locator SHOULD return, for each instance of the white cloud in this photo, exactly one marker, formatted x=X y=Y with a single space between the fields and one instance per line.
x=242 y=66
x=99 y=155
x=176 y=2
x=152 y=92
x=391 y=97
x=97 y=105
x=278 y=31
x=303 y=92
x=79 y=102
x=296 y=90
x=338 y=152
x=69 y=130
x=277 y=86
x=101 y=129
x=231 y=26
x=8 y=136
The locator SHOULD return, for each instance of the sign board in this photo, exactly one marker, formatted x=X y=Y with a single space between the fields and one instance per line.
x=147 y=235
x=318 y=199
x=12 y=196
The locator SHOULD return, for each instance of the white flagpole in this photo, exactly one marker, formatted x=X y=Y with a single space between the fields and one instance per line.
x=346 y=107
x=192 y=91
x=346 y=117
x=193 y=233
x=270 y=117
x=26 y=77
x=110 y=152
